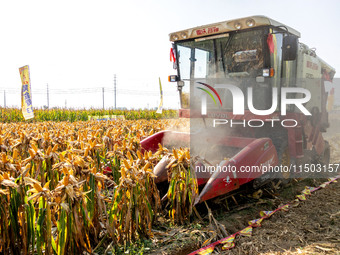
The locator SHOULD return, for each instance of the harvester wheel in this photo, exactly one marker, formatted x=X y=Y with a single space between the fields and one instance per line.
x=326 y=154
x=284 y=175
x=276 y=179
x=285 y=161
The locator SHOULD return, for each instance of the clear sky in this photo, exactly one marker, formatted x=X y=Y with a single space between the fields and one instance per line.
x=81 y=44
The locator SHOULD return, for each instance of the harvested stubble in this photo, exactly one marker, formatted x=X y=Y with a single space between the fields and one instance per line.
x=54 y=197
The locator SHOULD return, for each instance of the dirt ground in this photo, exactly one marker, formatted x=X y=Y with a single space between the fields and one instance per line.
x=312 y=227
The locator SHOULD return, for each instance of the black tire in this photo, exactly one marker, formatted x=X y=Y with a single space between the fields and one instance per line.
x=325 y=160
x=326 y=156
x=279 y=138
x=280 y=141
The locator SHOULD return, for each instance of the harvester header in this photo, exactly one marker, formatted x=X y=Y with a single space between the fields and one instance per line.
x=228 y=26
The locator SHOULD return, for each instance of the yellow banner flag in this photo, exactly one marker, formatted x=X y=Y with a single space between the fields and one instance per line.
x=323 y=185
x=255 y=223
x=228 y=243
x=301 y=197
x=332 y=179
x=26 y=96
x=295 y=202
x=285 y=208
x=207 y=251
x=246 y=231
x=307 y=191
x=160 y=107
x=266 y=213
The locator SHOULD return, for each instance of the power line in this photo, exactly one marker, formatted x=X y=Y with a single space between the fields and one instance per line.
x=48 y=99
x=115 y=90
x=88 y=90
x=103 y=99
x=92 y=90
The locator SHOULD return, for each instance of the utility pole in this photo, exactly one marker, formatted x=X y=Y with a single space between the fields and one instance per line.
x=48 y=98
x=5 y=98
x=103 y=97
x=115 y=90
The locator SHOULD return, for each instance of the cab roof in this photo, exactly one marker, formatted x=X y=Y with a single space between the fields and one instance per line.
x=228 y=26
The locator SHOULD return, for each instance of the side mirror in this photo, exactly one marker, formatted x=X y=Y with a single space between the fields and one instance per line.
x=289 y=47
x=173 y=78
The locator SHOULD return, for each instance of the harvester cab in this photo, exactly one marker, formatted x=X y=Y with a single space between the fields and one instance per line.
x=256 y=99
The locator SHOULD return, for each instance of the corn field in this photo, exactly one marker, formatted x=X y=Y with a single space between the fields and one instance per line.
x=67 y=186
x=60 y=114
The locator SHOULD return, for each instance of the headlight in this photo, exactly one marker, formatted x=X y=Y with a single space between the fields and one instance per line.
x=184 y=35
x=172 y=78
x=174 y=37
x=250 y=22
x=238 y=25
x=270 y=72
x=265 y=73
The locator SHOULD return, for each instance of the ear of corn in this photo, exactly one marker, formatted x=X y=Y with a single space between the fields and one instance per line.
x=183 y=188
x=54 y=197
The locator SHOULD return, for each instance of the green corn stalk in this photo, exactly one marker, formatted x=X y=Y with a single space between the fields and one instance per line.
x=49 y=239
x=14 y=228
x=62 y=232
x=90 y=200
x=30 y=217
x=4 y=234
x=182 y=191
x=40 y=226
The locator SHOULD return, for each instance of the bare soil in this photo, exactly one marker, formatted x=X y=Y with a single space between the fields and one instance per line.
x=312 y=227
